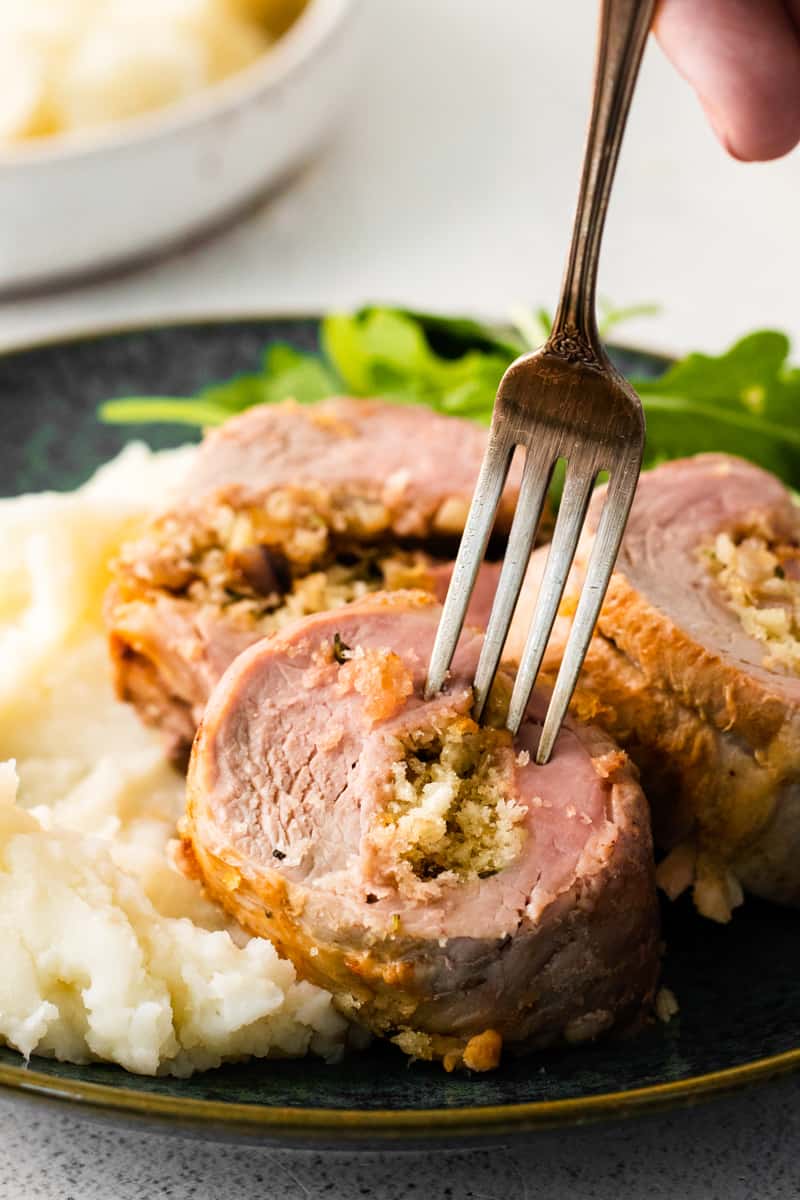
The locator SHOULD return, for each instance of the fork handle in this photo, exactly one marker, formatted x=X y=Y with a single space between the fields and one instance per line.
x=624 y=25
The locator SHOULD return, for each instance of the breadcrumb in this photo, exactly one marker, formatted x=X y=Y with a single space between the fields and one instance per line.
x=453 y=810
x=666 y=1005
x=380 y=677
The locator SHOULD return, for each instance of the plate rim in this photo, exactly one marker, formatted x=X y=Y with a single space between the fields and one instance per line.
x=423 y=1124
x=152 y=322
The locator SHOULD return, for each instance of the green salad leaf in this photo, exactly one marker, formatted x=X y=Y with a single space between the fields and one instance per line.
x=385 y=353
x=451 y=336
x=745 y=401
x=609 y=316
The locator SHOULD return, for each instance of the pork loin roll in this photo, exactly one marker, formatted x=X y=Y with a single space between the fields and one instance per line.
x=287 y=511
x=694 y=668
x=451 y=894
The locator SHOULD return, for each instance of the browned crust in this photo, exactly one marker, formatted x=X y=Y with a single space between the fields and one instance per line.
x=716 y=771
x=717 y=744
x=382 y=983
x=136 y=680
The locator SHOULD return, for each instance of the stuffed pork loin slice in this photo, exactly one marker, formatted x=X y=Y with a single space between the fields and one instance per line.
x=695 y=669
x=451 y=894
x=287 y=511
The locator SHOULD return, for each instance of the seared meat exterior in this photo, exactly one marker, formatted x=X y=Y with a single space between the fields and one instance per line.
x=287 y=511
x=451 y=894
x=694 y=669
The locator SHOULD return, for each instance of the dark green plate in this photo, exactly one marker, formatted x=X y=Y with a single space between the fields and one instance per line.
x=738 y=986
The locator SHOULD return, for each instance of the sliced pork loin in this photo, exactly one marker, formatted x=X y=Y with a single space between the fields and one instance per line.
x=287 y=511
x=694 y=668
x=450 y=893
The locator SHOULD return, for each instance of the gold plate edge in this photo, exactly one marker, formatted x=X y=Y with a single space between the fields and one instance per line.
x=424 y=1121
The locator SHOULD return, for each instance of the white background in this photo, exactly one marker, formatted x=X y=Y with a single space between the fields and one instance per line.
x=451 y=182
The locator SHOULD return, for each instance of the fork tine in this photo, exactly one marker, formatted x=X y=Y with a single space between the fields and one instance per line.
x=533 y=490
x=474 y=540
x=611 y=527
x=574 y=502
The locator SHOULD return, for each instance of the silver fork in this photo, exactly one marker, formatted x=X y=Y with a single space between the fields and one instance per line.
x=563 y=401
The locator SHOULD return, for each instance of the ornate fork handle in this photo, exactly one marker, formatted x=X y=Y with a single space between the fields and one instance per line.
x=624 y=25
x=565 y=401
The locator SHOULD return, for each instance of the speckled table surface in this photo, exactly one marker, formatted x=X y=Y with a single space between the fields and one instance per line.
x=738 y=1148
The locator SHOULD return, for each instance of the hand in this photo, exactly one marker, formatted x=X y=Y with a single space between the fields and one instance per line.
x=742 y=57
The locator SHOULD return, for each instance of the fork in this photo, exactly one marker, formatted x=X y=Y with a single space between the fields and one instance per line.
x=564 y=401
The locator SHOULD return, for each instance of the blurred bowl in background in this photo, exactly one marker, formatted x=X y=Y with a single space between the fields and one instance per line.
x=77 y=203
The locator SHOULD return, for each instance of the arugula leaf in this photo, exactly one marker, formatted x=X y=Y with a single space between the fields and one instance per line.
x=610 y=316
x=290 y=374
x=384 y=352
x=534 y=326
x=452 y=336
x=745 y=401
x=166 y=410
x=744 y=374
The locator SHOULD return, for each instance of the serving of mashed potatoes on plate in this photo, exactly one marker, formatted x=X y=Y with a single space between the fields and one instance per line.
x=108 y=952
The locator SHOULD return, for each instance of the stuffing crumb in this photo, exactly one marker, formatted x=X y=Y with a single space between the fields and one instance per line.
x=588 y=1026
x=453 y=810
x=415 y=1044
x=380 y=677
x=609 y=765
x=482 y=1052
x=676 y=872
x=569 y=604
x=452 y=515
x=396 y=487
x=717 y=891
x=265 y=568
x=666 y=1005
x=523 y=758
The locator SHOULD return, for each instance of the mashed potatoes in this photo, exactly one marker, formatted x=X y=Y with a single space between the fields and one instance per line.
x=72 y=64
x=107 y=952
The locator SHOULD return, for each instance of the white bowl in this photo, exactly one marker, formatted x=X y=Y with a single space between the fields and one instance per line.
x=76 y=203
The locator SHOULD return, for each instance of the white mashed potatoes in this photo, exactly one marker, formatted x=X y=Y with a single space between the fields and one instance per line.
x=107 y=952
x=75 y=64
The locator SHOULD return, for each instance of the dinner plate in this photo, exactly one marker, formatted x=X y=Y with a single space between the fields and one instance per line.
x=738 y=985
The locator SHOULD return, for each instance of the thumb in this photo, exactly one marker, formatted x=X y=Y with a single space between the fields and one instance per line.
x=742 y=57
